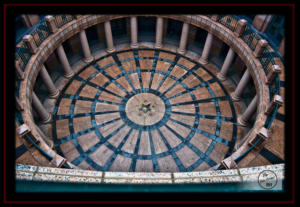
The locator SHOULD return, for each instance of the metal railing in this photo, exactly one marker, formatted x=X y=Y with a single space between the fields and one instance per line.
x=41 y=33
x=61 y=20
x=229 y=21
x=251 y=37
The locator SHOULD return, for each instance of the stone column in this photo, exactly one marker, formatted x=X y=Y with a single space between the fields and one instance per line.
x=206 y=50
x=31 y=19
x=226 y=65
x=159 y=32
x=109 y=38
x=20 y=73
x=261 y=22
x=40 y=109
x=183 y=39
x=53 y=91
x=134 y=32
x=85 y=47
x=64 y=61
x=19 y=106
x=236 y=95
x=243 y=120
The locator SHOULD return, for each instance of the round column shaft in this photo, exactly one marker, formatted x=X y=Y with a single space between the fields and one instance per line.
x=159 y=32
x=226 y=65
x=183 y=39
x=236 y=95
x=64 y=61
x=134 y=32
x=206 y=50
x=109 y=37
x=85 y=47
x=243 y=120
x=40 y=109
x=53 y=91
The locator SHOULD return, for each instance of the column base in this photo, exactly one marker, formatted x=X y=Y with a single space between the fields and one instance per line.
x=88 y=60
x=69 y=75
x=46 y=121
x=110 y=50
x=134 y=46
x=221 y=77
x=180 y=51
x=241 y=122
x=54 y=95
x=203 y=61
x=234 y=97
x=158 y=46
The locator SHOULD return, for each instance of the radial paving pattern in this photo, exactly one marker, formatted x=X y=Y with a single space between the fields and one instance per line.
x=144 y=110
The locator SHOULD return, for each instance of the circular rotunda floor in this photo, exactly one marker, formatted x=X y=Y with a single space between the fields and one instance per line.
x=144 y=110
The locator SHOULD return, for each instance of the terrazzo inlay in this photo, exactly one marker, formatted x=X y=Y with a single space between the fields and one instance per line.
x=150 y=117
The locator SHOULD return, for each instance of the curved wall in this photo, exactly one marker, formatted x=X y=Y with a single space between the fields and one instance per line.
x=48 y=46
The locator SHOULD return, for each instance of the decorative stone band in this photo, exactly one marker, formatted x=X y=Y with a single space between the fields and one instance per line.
x=242 y=175
x=49 y=45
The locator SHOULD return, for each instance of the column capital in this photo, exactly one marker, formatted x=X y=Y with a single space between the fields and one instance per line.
x=260 y=46
x=50 y=21
x=29 y=41
x=240 y=28
x=276 y=69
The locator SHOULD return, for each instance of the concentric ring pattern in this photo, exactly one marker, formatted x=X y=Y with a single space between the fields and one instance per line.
x=182 y=118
